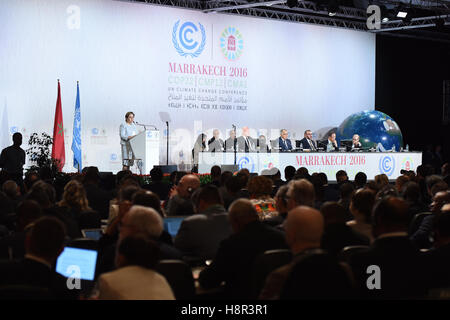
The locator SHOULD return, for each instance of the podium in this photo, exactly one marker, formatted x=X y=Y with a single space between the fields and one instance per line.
x=145 y=146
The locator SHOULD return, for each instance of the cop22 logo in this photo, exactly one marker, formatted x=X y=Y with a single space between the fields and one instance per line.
x=247 y=163
x=183 y=39
x=387 y=165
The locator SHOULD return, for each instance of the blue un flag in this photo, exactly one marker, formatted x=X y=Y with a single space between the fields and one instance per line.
x=76 y=142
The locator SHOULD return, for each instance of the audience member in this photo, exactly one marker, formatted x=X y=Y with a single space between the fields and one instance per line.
x=179 y=203
x=235 y=257
x=281 y=206
x=199 y=235
x=445 y=171
x=157 y=185
x=361 y=207
x=289 y=173
x=215 y=175
x=360 y=180
x=400 y=182
x=260 y=189
x=135 y=277
x=411 y=194
x=346 y=191
x=300 y=192
x=402 y=271
x=337 y=234
x=381 y=180
x=97 y=197
x=44 y=243
x=12 y=160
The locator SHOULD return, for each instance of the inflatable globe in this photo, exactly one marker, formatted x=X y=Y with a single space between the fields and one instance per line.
x=375 y=129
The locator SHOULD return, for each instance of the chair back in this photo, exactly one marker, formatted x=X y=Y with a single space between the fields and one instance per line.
x=179 y=276
x=347 y=252
x=417 y=221
x=265 y=264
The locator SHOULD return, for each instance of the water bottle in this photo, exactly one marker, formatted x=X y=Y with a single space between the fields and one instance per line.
x=393 y=148
x=407 y=148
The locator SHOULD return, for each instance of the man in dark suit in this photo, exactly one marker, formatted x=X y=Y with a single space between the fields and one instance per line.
x=215 y=143
x=12 y=160
x=246 y=143
x=199 y=235
x=401 y=270
x=283 y=142
x=237 y=253
x=97 y=197
x=43 y=244
x=307 y=142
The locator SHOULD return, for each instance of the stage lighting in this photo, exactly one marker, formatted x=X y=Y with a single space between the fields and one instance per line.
x=292 y=3
x=333 y=7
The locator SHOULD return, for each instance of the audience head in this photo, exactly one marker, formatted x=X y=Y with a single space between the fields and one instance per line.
x=341 y=176
x=333 y=213
x=323 y=178
x=74 y=196
x=17 y=139
x=241 y=213
x=304 y=228
x=30 y=178
x=346 y=190
x=11 y=189
x=45 y=239
x=233 y=185
x=121 y=175
x=438 y=186
x=390 y=215
x=205 y=197
x=442 y=228
x=411 y=192
x=224 y=177
x=445 y=169
x=431 y=180
x=439 y=200
x=156 y=174
x=400 y=182
x=301 y=192
x=381 y=180
x=127 y=193
x=362 y=204
x=147 y=199
x=216 y=171
x=43 y=193
x=27 y=212
x=92 y=175
x=260 y=187
x=387 y=191
x=140 y=219
x=280 y=199
x=137 y=250
x=289 y=173
x=360 y=180
x=187 y=185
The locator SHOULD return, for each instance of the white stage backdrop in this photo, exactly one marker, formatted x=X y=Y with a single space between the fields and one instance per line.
x=205 y=71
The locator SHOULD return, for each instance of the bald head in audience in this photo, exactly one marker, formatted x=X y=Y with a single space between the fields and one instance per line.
x=241 y=213
x=304 y=228
x=187 y=185
x=300 y=192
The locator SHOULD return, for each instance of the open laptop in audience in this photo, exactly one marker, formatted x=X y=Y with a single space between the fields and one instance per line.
x=172 y=224
x=94 y=234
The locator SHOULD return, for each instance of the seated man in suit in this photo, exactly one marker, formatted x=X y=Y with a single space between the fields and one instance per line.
x=401 y=267
x=231 y=142
x=307 y=142
x=245 y=142
x=236 y=254
x=199 y=235
x=215 y=143
x=283 y=142
x=44 y=243
x=332 y=143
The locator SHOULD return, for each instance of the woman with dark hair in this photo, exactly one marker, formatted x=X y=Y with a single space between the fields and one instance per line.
x=127 y=131
x=199 y=146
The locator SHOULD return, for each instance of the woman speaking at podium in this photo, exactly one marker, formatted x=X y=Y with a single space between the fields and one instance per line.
x=127 y=131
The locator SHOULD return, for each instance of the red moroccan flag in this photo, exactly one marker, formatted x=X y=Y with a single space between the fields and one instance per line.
x=58 y=151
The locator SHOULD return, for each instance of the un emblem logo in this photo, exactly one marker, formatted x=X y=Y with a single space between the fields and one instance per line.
x=186 y=39
x=246 y=162
x=387 y=165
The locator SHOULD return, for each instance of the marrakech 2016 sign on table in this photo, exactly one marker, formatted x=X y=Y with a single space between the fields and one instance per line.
x=371 y=163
